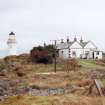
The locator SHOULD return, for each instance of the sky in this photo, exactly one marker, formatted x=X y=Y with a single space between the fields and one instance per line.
x=36 y=21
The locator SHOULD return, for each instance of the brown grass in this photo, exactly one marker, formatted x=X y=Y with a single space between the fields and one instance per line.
x=54 y=100
x=43 y=75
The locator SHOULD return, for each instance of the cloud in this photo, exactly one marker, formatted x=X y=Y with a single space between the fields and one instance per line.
x=36 y=21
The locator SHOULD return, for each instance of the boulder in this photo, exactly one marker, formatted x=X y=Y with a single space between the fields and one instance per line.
x=4 y=72
x=97 y=74
x=14 y=66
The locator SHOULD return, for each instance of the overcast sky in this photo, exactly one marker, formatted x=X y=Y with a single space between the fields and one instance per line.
x=36 y=21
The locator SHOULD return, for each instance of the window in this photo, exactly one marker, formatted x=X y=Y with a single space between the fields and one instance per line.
x=97 y=53
x=73 y=53
x=87 y=53
x=69 y=55
x=62 y=52
x=69 y=50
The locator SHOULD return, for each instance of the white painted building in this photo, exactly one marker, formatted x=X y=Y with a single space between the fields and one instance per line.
x=11 y=44
x=78 y=49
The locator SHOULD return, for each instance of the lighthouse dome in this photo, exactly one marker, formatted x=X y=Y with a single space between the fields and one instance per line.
x=12 y=38
x=12 y=33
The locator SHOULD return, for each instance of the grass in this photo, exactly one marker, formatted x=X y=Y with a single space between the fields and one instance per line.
x=35 y=75
x=90 y=64
x=86 y=65
x=54 y=100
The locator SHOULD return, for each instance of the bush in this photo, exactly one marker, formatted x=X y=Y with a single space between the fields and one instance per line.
x=22 y=58
x=72 y=65
x=41 y=55
x=10 y=58
x=2 y=64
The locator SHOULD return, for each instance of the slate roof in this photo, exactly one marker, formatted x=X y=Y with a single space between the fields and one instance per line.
x=83 y=44
x=66 y=45
x=63 y=46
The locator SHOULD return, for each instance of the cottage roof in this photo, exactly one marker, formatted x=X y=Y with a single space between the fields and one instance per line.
x=66 y=45
x=63 y=46
x=83 y=44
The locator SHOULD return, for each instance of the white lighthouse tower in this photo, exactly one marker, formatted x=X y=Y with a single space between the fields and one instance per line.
x=12 y=44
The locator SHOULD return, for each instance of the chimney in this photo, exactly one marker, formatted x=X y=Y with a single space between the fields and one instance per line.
x=75 y=39
x=44 y=44
x=81 y=40
x=68 y=39
x=62 y=41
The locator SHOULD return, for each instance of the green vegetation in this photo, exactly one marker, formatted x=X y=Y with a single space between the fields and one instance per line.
x=91 y=64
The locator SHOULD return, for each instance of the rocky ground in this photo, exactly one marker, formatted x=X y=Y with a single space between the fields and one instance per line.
x=21 y=78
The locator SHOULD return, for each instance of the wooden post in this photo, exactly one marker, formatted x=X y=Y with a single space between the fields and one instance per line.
x=99 y=86
x=55 y=62
x=55 y=56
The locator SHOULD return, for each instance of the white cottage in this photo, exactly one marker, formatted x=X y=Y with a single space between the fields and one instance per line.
x=78 y=49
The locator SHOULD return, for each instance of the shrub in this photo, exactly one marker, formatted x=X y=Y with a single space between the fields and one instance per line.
x=2 y=65
x=41 y=55
x=10 y=58
x=72 y=65
x=22 y=58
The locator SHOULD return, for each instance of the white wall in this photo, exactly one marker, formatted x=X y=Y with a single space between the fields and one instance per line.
x=90 y=52
x=12 y=49
x=98 y=56
x=76 y=48
x=65 y=53
x=78 y=52
x=90 y=45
